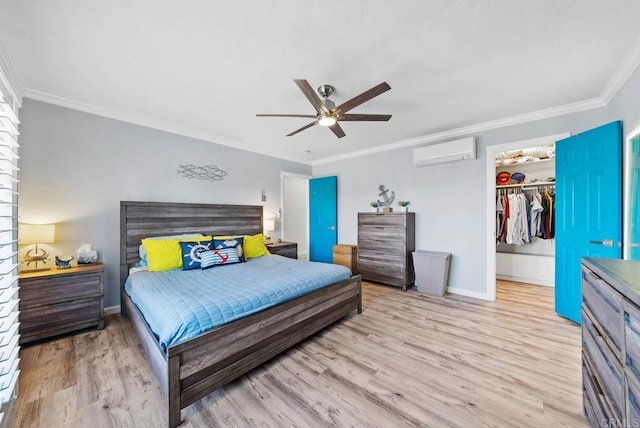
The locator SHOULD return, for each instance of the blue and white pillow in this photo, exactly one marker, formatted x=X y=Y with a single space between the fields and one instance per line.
x=208 y=259
x=192 y=253
x=224 y=252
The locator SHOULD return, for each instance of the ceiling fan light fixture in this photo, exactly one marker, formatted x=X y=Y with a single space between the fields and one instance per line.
x=327 y=120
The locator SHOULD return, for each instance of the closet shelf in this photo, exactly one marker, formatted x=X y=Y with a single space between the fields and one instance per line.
x=536 y=184
x=527 y=163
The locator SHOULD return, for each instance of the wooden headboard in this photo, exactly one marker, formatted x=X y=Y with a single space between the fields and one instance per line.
x=140 y=220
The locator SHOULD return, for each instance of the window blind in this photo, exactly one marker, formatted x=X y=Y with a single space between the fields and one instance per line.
x=9 y=335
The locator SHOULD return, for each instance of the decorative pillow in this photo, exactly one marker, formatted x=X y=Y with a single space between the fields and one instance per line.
x=143 y=253
x=192 y=251
x=228 y=251
x=165 y=254
x=208 y=259
x=254 y=246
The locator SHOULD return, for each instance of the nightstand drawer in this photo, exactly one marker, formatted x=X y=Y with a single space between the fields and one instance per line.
x=284 y=249
x=38 y=292
x=50 y=320
x=287 y=252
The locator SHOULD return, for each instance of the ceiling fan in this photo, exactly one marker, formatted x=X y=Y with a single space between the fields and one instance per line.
x=327 y=114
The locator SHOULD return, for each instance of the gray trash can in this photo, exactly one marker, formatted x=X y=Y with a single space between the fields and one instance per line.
x=432 y=271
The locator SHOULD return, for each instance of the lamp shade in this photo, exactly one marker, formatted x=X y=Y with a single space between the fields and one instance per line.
x=36 y=234
x=269 y=225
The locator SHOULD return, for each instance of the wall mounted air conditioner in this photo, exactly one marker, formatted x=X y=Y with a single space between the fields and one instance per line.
x=451 y=151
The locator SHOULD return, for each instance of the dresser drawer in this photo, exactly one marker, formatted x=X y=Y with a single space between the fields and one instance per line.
x=632 y=338
x=38 y=292
x=383 y=260
x=595 y=406
x=384 y=277
x=381 y=219
x=383 y=247
x=607 y=373
x=605 y=304
x=633 y=401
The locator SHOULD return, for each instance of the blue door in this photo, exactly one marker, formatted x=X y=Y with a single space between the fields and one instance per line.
x=588 y=208
x=323 y=218
x=632 y=206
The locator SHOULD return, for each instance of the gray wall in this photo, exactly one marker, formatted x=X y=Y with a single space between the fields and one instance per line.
x=75 y=168
x=625 y=105
x=449 y=200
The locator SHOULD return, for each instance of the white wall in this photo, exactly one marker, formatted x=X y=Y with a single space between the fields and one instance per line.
x=296 y=213
x=77 y=167
x=449 y=200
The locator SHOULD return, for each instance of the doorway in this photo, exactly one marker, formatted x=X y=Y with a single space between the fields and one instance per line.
x=295 y=211
x=508 y=257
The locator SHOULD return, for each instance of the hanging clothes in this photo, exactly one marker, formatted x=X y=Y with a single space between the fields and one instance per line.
x=536 y=213
x=519 y=218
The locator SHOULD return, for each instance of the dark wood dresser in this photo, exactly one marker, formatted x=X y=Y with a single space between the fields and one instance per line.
x=611 y=342
x=286 y=249
x=385 y=244
x=58 y=301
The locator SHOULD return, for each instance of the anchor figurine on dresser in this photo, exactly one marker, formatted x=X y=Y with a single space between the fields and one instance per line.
x=387 y=199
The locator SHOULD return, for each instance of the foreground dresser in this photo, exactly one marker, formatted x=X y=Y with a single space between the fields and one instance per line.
x=385 y=244
x=58 y=301
x=611 y=342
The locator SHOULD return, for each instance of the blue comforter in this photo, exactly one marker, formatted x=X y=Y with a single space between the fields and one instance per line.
x=179 y=305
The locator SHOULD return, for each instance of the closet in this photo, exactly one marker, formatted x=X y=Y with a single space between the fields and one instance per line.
x=525 y=215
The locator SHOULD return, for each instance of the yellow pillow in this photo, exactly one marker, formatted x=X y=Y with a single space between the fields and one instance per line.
x=254 y=246
x=165 y=254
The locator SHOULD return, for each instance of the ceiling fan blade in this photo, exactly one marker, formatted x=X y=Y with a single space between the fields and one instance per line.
x=337 y=130
x=365 y=117
x=310 y=116
x=315 y=122
x=311 y=95
x=363 y=97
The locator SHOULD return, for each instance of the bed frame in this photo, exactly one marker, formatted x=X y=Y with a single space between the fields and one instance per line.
x=194 y=368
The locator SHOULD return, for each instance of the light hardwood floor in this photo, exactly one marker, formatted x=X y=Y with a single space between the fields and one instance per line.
x=407 y=360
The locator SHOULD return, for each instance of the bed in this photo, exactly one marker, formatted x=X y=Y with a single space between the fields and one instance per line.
x=190 y=369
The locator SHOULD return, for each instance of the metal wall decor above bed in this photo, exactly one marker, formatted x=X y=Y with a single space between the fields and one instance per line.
x=204 y=172
x=193 y=368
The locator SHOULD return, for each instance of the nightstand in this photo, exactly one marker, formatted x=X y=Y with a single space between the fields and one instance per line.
x=286 y=249
x=58 y=301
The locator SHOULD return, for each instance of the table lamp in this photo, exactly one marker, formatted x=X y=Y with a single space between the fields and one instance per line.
x=269 y=226
x=29 y=234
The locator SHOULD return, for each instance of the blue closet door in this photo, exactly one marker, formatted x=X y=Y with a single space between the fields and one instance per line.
x=588 y=208
x=632 y=202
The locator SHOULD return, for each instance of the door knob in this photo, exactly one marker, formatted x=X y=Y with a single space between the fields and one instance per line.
x=604 y=242
x=331 y=228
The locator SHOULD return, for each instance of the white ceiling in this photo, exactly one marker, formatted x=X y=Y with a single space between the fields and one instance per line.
x=205 y=68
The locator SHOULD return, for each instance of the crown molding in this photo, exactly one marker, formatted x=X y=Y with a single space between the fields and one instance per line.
x=470 y=130
x=439 y=136
x=8 y=76
x=627 y=66
x=171 y=128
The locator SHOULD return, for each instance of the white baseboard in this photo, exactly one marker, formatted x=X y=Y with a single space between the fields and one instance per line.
x=111 y=310
x=526 y=280
x=468 y=293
